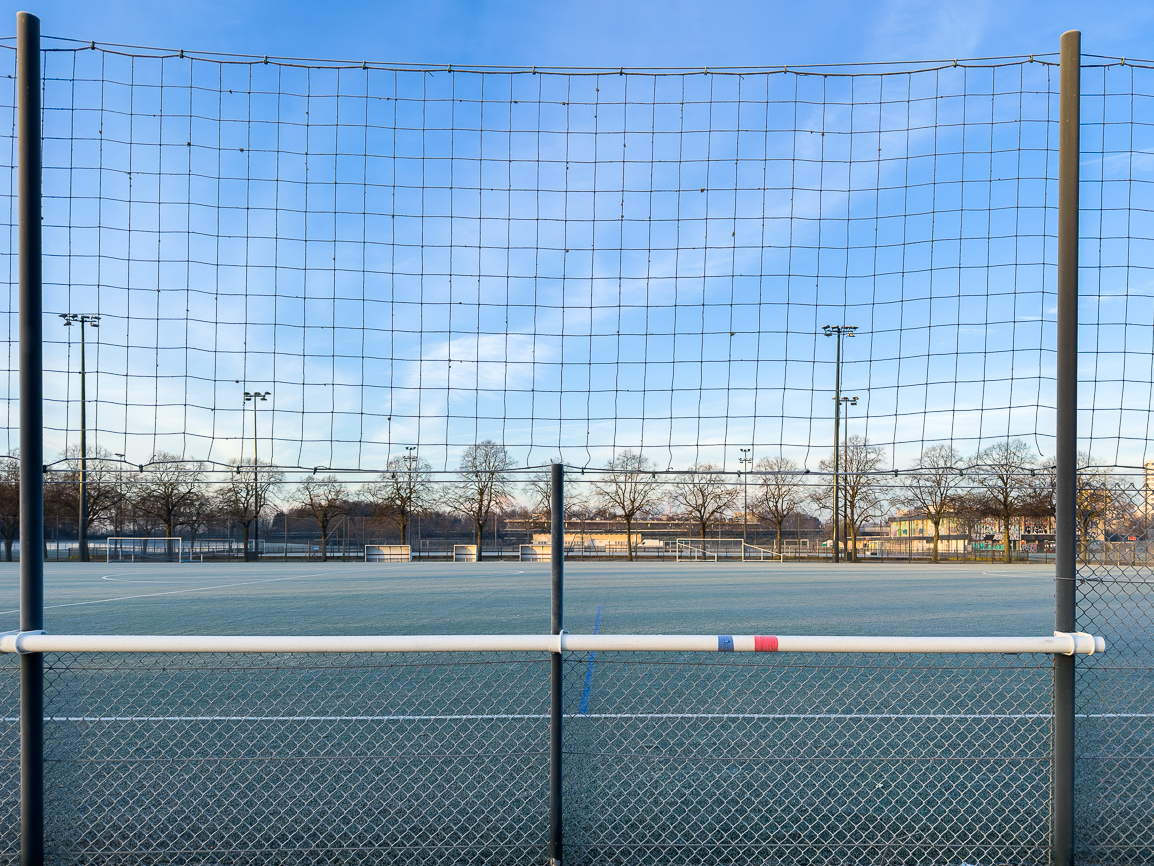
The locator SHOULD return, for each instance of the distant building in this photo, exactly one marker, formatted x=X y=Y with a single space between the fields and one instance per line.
x=1027 y=533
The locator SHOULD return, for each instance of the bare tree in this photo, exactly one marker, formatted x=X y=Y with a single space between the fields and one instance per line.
x=404 y=490
x=246 y=493
x=166 y=489
x=629 y=487
x=1102 y=503
x=968 y=507
x=540 y=509
x=703 y=494
x=931 y=486
x=779 y=492
x=325 y=498
x=9 y=503
x=863 y=489
x=62 y=493
x=484 y=485
x=1004 y=473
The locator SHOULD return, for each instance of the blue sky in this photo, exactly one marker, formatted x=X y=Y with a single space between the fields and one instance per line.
x=555 y=336
x=614 y=33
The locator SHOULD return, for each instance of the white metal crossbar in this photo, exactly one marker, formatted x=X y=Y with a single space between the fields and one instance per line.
x=1064 y=643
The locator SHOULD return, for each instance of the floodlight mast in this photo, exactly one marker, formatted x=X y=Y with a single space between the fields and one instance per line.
x=92 y=321
x=848 y=401
x=837 y=331
x=746 y=464
x=253 y=397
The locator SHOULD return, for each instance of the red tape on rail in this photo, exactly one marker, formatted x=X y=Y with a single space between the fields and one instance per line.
x=764 y=643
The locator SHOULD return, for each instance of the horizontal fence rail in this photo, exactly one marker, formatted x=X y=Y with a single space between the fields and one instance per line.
x=417 y=758
x=1062 y=643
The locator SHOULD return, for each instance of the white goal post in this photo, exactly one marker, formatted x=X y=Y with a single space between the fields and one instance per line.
x=144 y=548
x=464 y=553
x=753 y=553
x=388 y=553
x=716 y=549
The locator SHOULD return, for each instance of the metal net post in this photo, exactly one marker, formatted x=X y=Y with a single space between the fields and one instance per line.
x=556 y=709
x=31 y=441
x=1067 y=446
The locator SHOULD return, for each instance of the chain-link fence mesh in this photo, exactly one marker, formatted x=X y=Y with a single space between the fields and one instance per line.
x=297 y=759
x=443 y=758
x=807 y=759
x=9 y=760
x=1115 y=691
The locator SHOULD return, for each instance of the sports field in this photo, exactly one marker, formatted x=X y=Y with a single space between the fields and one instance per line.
x=404 y=757
x=509 y=597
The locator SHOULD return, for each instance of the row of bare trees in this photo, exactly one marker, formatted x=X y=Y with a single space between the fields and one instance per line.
x=170 y=496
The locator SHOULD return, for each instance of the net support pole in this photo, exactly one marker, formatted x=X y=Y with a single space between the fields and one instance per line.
x=1066 y=468
x=557 y=624
x=31 y=438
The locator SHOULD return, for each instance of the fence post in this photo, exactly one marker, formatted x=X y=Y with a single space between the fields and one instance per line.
x=31 y=440
x=556 y=597
x=1066 y=469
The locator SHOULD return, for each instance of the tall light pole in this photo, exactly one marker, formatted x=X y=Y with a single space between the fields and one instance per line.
x=82 y=319
x=746 y=463
x=253 y=397
x=410 y=463
x=837 y=331
x=849 y=557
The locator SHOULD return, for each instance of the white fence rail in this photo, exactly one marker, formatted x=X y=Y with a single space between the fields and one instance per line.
x=1064 y=643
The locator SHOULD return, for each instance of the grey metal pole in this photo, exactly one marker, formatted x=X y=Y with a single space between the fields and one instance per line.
x=557 y=624
x=31 y=439
x=82 y=532
x=836 y=461
x=256 y=490
x=1065 y=522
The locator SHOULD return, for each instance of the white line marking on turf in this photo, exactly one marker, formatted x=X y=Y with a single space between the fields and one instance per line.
x=645 y=716
x=175 y=591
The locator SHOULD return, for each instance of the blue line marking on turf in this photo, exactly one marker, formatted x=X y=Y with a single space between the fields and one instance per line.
x=589 y=669
x=725 y=643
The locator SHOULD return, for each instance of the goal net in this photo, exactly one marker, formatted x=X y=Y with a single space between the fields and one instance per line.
x=388 y=553
x=710 y=549
x=144 y=549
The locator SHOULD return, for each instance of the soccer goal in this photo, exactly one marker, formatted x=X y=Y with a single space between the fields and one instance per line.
x=536 y=552
x=388 y=553
x=713 y=549
x=753 y=553
x=464 y=553
x=694 y=550
x=145 y=549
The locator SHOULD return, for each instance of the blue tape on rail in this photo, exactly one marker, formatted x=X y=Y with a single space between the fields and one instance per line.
x=725 y=643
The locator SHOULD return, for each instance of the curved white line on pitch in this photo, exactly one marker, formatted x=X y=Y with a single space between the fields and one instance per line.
x=172 y=592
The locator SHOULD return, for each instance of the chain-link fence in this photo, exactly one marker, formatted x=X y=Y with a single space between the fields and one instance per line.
x=1115 y=691
x=443 y=758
